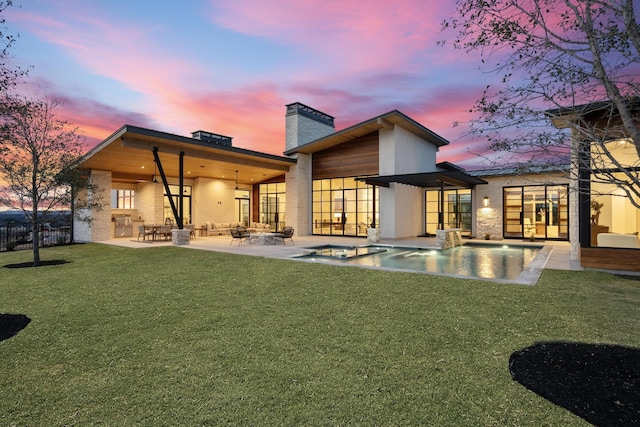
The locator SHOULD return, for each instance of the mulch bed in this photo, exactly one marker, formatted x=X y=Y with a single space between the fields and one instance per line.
x=11 y=324
x=42 y=263
x=598 y=382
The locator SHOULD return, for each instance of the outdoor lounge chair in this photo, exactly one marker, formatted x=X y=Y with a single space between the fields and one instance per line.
x=239 y=234
x=286 y=233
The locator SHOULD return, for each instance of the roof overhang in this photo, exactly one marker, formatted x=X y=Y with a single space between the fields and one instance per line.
x=128 y=154
x=384 y=121
x=439 y=179
x=564 y=117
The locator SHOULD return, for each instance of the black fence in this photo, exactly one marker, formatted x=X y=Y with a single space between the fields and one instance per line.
x=17 y=235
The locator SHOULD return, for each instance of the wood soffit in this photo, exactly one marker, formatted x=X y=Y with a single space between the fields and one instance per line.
x=128 y=154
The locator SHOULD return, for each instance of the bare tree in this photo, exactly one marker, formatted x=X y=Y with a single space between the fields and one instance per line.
x=37 y=150
x=9 y=74
x=576 y=62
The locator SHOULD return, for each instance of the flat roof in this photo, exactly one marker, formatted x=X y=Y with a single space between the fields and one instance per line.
x=446 y=178
x=128 y=154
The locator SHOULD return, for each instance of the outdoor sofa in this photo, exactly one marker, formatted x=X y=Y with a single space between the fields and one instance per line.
x=615 y=240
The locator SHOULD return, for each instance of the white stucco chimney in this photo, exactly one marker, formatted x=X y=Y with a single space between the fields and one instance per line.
x=305 y=124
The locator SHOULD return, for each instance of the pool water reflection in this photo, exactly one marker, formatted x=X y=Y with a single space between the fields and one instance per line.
x=483 y=261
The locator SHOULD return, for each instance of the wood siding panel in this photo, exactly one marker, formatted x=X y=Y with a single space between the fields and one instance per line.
x=611 y=258
x=357 y=157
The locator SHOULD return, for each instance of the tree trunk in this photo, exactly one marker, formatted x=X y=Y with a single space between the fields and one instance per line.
x=73 y=213
x=35 y=237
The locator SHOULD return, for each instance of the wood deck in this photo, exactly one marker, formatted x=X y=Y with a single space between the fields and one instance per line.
x=611 y=258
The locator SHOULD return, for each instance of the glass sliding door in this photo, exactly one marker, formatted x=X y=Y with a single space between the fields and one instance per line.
x=272 y=205
x=186 y=209
x=537 y=211
x=242 y=207
x=457 y=210
x=512 y=217
x=557 y=212
x=342 y=207
x=534 y=212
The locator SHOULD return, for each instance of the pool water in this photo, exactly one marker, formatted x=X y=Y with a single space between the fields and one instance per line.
x=483 y=261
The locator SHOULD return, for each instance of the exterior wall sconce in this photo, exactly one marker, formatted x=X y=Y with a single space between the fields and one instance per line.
x=485 y=202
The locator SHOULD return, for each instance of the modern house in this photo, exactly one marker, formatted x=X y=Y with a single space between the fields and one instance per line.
x=379 y=174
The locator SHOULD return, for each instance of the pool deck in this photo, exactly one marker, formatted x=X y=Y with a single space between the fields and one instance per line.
x=559 y=257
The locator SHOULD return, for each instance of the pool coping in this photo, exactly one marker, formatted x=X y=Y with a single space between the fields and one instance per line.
x=529 y=275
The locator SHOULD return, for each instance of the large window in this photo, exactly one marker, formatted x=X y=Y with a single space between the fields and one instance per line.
x=175 y=195
x=536 y=211
x=273 y=201
x=122 y=199
x=457 y=210
x=615 y=220
x=343 y=207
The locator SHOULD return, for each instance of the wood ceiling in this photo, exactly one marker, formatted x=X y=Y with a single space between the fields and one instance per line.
x=128 y=154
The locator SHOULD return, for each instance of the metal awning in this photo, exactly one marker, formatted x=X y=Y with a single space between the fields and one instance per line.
x=450 y=179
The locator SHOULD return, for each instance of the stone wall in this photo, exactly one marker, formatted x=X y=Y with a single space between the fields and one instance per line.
x=298 y=181
x=489 y=220
x=94 y=223
x=304 y=127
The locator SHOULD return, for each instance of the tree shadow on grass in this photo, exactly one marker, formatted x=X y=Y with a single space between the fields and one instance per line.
x=42 y=263
x=11 y=324
x=599 y=383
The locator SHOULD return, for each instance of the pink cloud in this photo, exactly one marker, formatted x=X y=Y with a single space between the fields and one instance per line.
x=378 y=35
x=125 y=53
x=366 y=52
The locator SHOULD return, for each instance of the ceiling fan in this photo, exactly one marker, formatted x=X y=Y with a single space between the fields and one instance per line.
x=236 y=187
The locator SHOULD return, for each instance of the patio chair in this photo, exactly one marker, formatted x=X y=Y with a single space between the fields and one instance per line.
x=144 y=232
x=164 y=231
x=286 y=233
x=239 y=234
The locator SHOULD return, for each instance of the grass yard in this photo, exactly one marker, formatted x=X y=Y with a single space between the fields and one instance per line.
x=175 y=336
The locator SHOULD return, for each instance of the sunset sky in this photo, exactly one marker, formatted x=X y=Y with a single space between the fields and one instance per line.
x=230 y=66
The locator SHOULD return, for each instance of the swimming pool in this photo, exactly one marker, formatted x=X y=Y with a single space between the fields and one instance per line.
x=496 y=262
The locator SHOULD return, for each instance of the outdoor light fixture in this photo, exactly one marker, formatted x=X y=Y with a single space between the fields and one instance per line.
x=154 y=172
x=485 y=202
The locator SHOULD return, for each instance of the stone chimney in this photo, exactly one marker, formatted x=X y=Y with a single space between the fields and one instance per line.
x=305 y=124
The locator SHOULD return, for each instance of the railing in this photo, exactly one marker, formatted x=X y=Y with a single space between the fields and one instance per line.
x=16 y=235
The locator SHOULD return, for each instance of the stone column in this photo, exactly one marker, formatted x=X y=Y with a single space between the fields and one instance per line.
x=180 y=237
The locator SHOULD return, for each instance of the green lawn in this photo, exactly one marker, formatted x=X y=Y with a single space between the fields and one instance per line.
x=174 y=336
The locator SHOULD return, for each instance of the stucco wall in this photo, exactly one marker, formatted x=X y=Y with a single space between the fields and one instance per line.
x=401 y=211
x=213 y=201
x=412 y=153
x=403 y=152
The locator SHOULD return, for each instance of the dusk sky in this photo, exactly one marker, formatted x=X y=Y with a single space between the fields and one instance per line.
x=230 y=66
